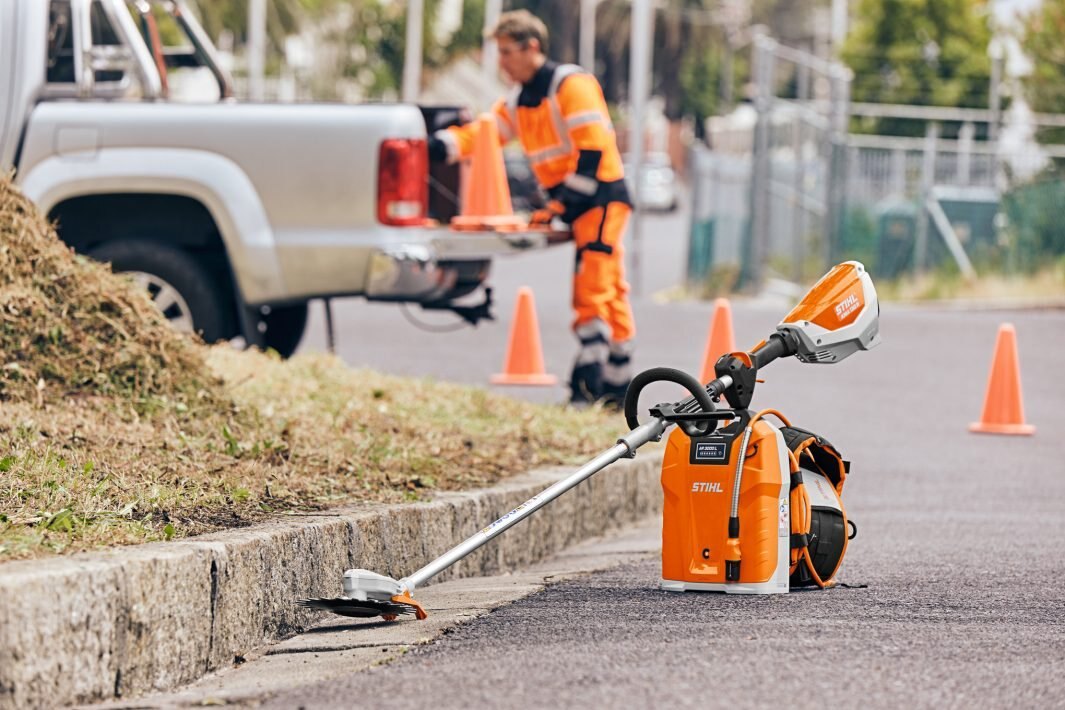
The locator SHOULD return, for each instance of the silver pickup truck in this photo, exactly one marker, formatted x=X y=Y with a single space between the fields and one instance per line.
x=233 y=215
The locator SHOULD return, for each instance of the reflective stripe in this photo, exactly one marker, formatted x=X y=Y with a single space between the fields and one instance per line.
x=561 y=72
x=565 y=146
x=589 y=354
x=596 y=328
x=617 y=370
x=585 y=117
x=505 y=131
x=451 y=143
x=558 y=151
x=582 y=183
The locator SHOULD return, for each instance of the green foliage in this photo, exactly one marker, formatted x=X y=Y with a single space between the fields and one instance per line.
x=469 y=34
x=1034 y=224
x=931 y=52
x=1044 y=87
x=700 y=81
x=282 y=17
x=1042 y=40
x=376 y=41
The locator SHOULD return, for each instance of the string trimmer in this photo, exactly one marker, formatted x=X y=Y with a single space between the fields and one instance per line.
x=782 y=483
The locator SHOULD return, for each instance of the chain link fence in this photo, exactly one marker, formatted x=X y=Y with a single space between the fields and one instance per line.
x=783 y=190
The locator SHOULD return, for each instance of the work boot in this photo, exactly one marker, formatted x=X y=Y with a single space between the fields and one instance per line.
x=617 y=374
x=586 y=381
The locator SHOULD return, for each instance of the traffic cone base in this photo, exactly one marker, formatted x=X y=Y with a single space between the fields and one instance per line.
x=524 y=364
x=1003 y=405
x=1015 y=429
x=505 y=379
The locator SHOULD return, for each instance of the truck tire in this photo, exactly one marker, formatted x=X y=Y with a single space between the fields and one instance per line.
x=284 y=327
x=191 y=298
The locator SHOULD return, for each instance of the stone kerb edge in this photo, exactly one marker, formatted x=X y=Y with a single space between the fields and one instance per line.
x=153 y=617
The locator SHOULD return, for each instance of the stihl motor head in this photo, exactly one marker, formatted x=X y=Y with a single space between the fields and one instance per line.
x=838 y=316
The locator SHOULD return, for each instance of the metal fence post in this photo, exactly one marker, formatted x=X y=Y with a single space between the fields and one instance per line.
x=965 y=153
x=898 y=172
x=928 y=179
x=752 y=272
x=837 y=166
x=798 y=221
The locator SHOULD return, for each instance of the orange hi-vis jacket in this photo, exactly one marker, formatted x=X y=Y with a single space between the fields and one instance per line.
x=561 y=120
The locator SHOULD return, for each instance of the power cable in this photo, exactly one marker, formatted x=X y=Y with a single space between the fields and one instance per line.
x=429 y=327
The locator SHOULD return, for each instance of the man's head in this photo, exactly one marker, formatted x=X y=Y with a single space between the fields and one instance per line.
x=522 y=40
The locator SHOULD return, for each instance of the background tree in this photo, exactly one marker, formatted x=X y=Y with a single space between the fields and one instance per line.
x=1042 y=36
x=687 y=47
x=929 y=52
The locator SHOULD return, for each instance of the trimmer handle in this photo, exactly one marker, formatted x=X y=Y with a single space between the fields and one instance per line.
x=668 y=374
x=774 y=347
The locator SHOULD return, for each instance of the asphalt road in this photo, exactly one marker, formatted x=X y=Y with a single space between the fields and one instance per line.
x=380 y=336
x=960 y=535
x=960 y=543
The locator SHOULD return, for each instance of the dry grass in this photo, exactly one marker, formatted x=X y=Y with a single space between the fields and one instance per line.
x=1046 y=284
x=115 y=430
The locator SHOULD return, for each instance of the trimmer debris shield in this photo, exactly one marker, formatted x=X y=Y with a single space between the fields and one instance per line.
x=359 y=609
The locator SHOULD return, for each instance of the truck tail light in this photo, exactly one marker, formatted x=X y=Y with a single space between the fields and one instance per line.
x=403 y=182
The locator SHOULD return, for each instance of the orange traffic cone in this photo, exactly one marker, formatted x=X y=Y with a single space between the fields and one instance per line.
x=720 y=340
x=524 y=364
x=1003 y=405
x=486 y=194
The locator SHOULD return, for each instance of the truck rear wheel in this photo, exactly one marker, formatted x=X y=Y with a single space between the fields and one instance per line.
x=189 y=295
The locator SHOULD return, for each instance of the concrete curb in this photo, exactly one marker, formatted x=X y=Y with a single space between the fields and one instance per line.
x=150 y=618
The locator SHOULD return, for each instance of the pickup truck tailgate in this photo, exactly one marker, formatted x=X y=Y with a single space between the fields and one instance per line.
x=450 y=244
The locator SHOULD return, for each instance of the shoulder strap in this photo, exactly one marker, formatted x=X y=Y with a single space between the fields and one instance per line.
x=824 y=458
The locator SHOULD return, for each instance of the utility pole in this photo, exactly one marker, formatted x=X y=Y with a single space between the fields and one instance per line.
x=642 y=32
x=839 y=24
x=490 y=52
x=763 y=66
x=994 y=49
x=412 y=56
x=256 y=49
x=586 y=52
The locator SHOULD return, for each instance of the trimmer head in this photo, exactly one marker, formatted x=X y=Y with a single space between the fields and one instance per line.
x=358 y=609
x=368 y=594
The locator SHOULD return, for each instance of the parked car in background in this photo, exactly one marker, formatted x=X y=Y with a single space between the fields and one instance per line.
x=656 y=184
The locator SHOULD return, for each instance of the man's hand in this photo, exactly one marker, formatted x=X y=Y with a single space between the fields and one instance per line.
x=437 y=150
x=547 y=214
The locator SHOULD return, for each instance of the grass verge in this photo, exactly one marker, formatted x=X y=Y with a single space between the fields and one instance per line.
x=114 y=430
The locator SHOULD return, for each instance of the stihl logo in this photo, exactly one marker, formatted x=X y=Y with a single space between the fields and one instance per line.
x=846 y=307
x=706 y=487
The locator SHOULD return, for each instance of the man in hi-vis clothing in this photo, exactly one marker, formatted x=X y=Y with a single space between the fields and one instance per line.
x=558 y=114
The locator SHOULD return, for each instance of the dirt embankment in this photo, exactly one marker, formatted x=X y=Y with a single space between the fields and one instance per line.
x=116 y=430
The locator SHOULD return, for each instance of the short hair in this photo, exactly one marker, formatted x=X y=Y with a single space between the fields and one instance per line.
x=521 y=26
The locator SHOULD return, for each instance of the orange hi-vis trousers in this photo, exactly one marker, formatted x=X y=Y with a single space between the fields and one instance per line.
x=599 y=287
